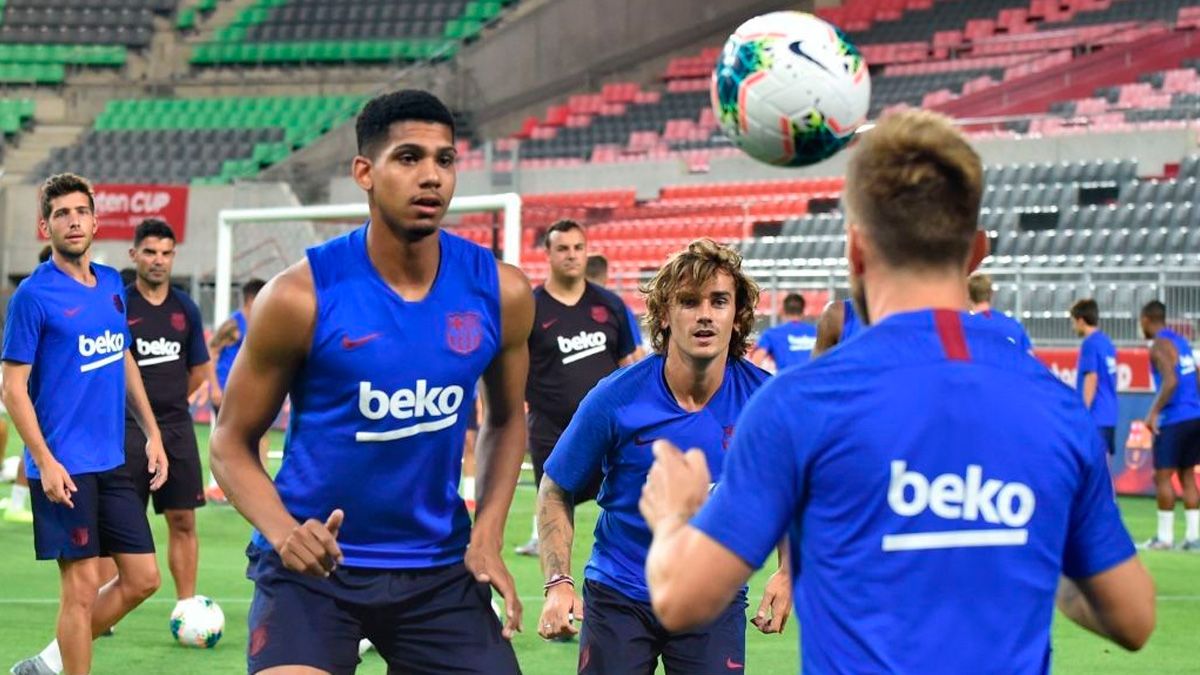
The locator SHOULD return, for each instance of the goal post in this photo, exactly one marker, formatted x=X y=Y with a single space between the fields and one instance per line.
x=508 y=203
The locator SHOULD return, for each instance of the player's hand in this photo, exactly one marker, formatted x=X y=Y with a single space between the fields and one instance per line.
x=215 y=396
x=1151 y=423
x=488 y=568
x=676 y=487
x=776 y=604
x=156 y=457
x=312 y=548
x=57 y=483
x=562 y=608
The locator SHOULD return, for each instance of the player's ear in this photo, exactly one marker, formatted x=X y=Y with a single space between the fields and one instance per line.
x=44 y=227
x=980 y=247
x=854 y=249
x=360 y=170
x=133 y=253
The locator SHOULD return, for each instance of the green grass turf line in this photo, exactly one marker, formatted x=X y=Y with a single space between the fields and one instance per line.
x=28 y=592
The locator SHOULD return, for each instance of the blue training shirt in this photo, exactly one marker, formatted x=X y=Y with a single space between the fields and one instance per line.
x=381 y=404
x=613 y=432
x=1098 y=355
x=934 y=483
x=1185 y=402
x=1013 y=331
x=75 y=338
x=229 y=352
x=789 y=344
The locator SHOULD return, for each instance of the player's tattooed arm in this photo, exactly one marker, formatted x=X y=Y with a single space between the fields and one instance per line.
x=556 y=527
x=225 y=335
x=829 y=328
x=1164 y=356
x=556 y=532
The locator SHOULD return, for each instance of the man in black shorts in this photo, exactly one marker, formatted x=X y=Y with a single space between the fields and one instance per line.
x=581 y=333
x=168 y=344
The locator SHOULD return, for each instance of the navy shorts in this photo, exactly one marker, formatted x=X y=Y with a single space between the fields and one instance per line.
x=108 y=518
x=621 y=636
x=432 y=620
x=1109 y=434
x=1177 y=446
x=184 y=489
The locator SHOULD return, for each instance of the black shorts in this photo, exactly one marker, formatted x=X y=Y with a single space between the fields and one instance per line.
x=544 y=432
x=622 y=636
x=432 y=620
x=108 y=518
x=184 y=489
x=1177 y=446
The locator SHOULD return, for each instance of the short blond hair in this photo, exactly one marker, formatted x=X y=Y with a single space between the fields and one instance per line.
x=690 y=269
x=914 y=184
x=979 y=287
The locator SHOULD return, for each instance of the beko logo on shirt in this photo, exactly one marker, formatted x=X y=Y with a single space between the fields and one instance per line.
x=157 y=351
x=954 y=497
x=582 y=346
x=1187 y=365
x=801 y=343
x=110 y=346
x=408 y=404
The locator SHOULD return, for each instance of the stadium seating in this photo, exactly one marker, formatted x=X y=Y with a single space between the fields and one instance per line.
x=310 y=32
x=81 y=22
x=209 y=141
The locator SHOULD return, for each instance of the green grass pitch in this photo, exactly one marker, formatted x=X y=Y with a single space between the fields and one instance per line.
x=143 y=644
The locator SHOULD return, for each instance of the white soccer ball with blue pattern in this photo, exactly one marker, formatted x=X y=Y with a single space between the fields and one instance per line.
x=789 y=89
x=197 y=622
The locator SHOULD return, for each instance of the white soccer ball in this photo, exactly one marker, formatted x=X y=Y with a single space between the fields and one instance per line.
x=8 y=473
x=197 y=622
x=789 y=89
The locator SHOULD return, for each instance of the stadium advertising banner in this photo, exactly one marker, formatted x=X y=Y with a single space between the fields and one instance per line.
x=120 y=208
x=1132 y=465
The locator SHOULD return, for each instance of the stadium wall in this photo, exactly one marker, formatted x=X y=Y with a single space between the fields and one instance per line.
x=1152 y=149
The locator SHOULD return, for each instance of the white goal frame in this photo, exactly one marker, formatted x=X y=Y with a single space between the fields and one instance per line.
x=509 y=203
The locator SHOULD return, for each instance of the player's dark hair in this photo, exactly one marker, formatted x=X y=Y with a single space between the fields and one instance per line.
x=152 y=227
x=251 y=289
x=688 y=271
x=914 y=186
x=979 y=287
x=597 y=266
x=564 y=225
x=1086 y=309
x=128 y=275
x=1155 y=311
x=406 y=105
x=61 y=184
x=793 y=304
x=45 y=253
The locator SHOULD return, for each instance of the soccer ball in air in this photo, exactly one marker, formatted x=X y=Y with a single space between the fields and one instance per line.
x=789 y=89
x=197 y=622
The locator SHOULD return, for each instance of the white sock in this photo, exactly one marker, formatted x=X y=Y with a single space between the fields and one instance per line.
x=1166 y=526
x=468 y=487
x=52 y=657
x=1192 y=518
x=534 y=536
x=20 y=498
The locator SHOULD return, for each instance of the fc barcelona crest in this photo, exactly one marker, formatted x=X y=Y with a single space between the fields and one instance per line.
x=178 y=321
x=599 y=314
x=464 y=332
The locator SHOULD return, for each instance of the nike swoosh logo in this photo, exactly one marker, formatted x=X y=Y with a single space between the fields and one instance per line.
x=134 y=322
x=549 y=323
x=72 y=312
x=797 y=48
x=355 y=343
x=733 y=665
